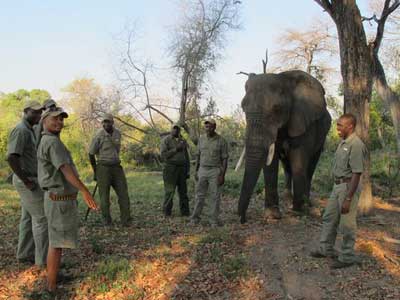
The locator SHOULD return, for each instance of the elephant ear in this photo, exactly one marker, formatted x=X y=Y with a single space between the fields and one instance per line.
x=308 y=101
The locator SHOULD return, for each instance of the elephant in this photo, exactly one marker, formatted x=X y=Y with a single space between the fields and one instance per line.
x=288 y=121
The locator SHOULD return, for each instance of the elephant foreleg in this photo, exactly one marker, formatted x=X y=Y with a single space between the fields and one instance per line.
x=311 y=169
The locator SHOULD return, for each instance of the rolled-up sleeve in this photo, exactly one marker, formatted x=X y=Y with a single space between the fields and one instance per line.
x=16 y=142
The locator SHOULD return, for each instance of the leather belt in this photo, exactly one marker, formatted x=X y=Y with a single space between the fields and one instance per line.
x=56 y=197
x=342 y=180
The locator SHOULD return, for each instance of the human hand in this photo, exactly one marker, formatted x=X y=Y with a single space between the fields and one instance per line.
x=90 y=202
x=30 y=184
x=346 y=206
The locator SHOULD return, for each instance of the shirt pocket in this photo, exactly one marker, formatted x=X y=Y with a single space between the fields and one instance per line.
x=342 y=158
x=64 y=216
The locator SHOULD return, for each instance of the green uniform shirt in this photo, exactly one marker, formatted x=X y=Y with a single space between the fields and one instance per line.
x=212 y=150
x=22 y=141
x=349 y=157
x=52 y=154
x=169 y=153
x=106 y=146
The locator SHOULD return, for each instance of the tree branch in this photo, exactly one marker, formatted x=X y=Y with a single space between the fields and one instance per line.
x=387 y=10
x=244 y=73
x=130 y=125
x=159 y=112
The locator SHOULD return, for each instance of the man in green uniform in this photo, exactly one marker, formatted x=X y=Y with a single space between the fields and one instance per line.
x=212 y=161
x=108 y=171
x=22 y=158
x=176 y=170
x=341 y=210
x=59 y=179
x=48 y=104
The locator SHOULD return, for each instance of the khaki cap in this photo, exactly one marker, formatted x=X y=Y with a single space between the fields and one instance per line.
x=48 y=103
x=210 y=121
x=54 y=113
x=32 y=104
x=108 y=117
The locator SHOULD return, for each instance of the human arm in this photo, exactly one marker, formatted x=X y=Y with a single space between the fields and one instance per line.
x=356 y=163
x=14 y=162
x=221 y=176
x=224 y=162
x=71 y=176
x=352 y=187
x=92 y=159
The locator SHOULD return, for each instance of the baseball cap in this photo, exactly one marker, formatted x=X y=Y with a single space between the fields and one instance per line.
x=32 y=104
x=54 y=113
x=210 y=121
x=108 y=117
x=48 y=103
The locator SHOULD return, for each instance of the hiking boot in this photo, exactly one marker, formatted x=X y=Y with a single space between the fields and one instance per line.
x=337 y=264
x=273 y=212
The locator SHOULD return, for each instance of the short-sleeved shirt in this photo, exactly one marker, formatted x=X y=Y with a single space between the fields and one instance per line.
x=349 y=157
x=52 y=154
x=168 y=153
x=22 y=141
x=212 y=150
x=106 y=146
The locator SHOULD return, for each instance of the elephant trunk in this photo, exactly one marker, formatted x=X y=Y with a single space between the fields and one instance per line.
x=255 y=159
x=260 y=150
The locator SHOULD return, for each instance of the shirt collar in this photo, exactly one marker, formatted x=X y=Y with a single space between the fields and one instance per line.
x=46 y=132
x=350 y=138
x=27 y=124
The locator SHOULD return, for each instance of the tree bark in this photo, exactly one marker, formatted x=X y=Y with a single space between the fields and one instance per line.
x=357 y=71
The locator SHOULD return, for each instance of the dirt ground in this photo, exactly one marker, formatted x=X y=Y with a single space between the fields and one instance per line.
x=158 y=258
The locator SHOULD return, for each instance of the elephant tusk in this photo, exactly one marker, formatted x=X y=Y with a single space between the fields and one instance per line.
x=240 y=161
x=271 y=153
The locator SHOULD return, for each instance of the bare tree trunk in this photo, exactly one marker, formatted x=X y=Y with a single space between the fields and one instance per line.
x=389 y=97
x=356 y=68
x=380 y=137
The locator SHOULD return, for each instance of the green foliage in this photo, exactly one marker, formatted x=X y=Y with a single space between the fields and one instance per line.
x=381 y=130
x=234 y=266
x=11 y=106
x=112 y=270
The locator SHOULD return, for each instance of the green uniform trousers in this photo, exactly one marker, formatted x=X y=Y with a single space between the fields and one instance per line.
x=175 y=177
x=113 y=175
x=208 y=182
x=33 y=238
x=333 y=220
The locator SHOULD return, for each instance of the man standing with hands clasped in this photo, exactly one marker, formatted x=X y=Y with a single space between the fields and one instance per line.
x=59 y=179
x=176 y=170
x=341 y=210
x=212 y=161
x=108 y=171
x=22 y=158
